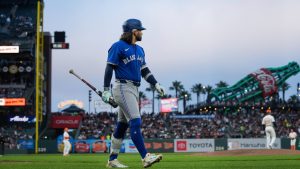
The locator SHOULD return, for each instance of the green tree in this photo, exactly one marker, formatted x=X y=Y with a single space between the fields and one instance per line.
x=197 y=88
x=283 y=88
x=293 y=99
x=208 y=89
x=185 y=96
x=177 y=86
x=222 y=84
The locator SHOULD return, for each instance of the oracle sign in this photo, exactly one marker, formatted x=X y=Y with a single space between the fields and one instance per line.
x=65 y=121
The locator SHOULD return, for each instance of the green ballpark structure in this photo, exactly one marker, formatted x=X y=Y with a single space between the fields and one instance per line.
x=257 y=86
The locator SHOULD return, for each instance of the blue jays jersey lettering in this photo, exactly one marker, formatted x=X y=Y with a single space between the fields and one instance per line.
x=128 y=58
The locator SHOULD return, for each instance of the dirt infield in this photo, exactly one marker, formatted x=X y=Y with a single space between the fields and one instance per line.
x=250 y=152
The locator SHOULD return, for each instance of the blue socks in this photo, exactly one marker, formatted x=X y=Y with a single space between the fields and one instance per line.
x=136 y=136
x=113 y=156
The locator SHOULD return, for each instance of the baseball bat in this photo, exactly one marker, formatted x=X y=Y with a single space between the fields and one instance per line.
x=111 y=100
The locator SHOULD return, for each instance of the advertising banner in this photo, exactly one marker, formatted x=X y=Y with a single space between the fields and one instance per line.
x=129 y=146
x=251 y=143
x=65 y=121
x=9 y=49
x=267 y=82
x=168 y=105
x=193 y=116
x=194 y=145
x=26 y=144
x=22 y=119
x=160 y=145
x=12 y=101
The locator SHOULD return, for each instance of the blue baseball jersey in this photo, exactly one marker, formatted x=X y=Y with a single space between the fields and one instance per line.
x=129 y=59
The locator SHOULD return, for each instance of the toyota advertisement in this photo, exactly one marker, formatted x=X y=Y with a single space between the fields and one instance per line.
x=194 y=145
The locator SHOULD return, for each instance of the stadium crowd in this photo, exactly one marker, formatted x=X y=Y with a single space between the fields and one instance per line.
x=14 y=133
x=243 y=123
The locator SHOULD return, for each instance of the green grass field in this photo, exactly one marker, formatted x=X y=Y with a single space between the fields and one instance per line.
x=170 y=161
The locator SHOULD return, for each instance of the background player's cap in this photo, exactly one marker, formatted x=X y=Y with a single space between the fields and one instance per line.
x=131 y=24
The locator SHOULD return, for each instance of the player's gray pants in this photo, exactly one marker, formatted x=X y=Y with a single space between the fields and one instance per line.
x=127 y=96
x=271 y=136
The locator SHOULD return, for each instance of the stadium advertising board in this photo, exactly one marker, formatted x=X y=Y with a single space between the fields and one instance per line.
x=9 y=49
x=194 y=145
x=168 y=105
x=12 y=101
x=22 y=119
x=86 y=146
x=160 y=145
x=65 y=121
x=193 y=116
x=26 y=144
x=252 y=143
x=129 y=146
x=267 y=82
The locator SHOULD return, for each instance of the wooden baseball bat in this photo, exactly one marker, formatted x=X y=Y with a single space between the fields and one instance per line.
x=111 y=100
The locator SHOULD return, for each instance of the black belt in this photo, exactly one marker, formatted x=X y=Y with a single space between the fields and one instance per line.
x=137 y=84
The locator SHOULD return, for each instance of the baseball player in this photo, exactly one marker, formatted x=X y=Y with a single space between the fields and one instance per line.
x=293 y=136
x=67 y=144
x=269 y=122
x=127 y=60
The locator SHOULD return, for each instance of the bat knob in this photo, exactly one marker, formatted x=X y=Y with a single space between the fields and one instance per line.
x=71 y=71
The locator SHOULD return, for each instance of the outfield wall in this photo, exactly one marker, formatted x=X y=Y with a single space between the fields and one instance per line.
x=152 y=145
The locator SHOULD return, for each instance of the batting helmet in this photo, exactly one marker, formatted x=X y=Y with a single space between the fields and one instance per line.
x=131 y=24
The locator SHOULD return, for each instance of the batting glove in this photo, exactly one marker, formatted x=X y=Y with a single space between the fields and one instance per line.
x=106 y=96
x=160 y=89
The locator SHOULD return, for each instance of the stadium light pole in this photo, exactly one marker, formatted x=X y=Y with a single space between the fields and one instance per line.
x=184 y=102
x=90 y=99
x=298 y=91
x=204 y=88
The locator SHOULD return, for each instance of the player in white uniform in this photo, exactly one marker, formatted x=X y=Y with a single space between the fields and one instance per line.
x=293 y=136
x=67 y=144
x=269 y=122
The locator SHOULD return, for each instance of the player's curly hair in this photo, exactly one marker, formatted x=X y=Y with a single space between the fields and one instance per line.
x=127 y=37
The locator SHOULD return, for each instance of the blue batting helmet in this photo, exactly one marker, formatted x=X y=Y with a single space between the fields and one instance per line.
x=131 y=24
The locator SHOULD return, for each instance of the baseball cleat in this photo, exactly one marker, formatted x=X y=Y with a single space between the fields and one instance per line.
x=115 y=164
x=151 y=159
